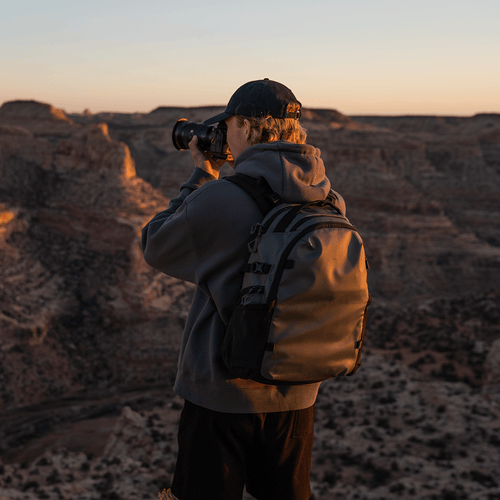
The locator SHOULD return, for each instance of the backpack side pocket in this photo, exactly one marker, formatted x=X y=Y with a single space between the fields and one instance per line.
x=246 y=338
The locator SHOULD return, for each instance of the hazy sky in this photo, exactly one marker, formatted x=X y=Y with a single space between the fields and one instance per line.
x=357 y=56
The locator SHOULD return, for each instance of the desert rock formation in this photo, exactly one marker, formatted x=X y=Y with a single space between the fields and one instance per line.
x=89 y=333
x=422 y=190
x=74 y=287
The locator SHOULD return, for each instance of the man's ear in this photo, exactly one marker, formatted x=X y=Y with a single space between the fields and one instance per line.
x=246 y=125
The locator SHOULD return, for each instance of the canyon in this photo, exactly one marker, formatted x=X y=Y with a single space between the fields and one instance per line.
x=90 y=333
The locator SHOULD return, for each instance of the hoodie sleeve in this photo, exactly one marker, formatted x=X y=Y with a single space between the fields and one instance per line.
x=167 y=241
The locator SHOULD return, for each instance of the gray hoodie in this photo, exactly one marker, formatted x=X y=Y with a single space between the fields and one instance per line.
x=202 y=238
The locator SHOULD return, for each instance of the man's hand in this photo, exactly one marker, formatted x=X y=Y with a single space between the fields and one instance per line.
x=204 y=160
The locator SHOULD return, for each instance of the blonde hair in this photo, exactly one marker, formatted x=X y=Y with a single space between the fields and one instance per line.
x=271 y=129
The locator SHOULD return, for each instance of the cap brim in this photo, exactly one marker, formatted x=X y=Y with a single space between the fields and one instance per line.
x=218 y=118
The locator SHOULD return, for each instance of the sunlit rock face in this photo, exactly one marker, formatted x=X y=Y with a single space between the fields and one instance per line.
x=78 y=303
x=31 y=110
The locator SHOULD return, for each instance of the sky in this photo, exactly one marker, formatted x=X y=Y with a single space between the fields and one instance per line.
x=385 y=57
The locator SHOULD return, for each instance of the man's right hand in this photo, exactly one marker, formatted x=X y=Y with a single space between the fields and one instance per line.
x=204 y=160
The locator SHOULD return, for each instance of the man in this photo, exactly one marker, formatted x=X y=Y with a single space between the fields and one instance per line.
x=236 y=432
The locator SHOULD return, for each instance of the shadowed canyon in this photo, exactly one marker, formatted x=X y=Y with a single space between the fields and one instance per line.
x=90 y=333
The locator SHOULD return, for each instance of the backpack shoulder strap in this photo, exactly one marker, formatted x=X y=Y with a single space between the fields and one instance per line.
x=258 y=189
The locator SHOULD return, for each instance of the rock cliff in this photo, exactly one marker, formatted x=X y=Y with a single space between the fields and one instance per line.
x=422 y=190
x=78 y=303
x=90 y=334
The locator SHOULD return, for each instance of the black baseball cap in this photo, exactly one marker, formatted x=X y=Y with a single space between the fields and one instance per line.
x=260 y=98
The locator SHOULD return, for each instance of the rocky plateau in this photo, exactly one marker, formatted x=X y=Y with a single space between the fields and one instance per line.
x=89 y=334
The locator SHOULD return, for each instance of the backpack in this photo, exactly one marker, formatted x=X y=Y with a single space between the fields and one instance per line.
x=301 y=312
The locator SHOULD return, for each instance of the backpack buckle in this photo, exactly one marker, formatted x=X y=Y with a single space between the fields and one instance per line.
x=259 y=267
x=274 y=197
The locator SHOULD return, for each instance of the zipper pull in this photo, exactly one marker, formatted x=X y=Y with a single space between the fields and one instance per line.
x=257 y=230
x=252 y=296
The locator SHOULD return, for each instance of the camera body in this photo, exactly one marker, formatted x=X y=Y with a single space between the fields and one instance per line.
x=211 y=139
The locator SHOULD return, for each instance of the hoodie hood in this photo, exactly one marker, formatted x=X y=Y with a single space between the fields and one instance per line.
x=295 y=171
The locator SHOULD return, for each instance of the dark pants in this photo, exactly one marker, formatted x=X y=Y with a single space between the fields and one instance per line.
x=221 y=452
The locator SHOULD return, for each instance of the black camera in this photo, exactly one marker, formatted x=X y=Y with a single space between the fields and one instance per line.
x=211 y=139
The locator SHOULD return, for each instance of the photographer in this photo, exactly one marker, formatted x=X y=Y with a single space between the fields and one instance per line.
x=235 y=432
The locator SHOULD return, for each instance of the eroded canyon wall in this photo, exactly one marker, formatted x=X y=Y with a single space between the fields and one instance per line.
x=80 y=309
x=88 y=330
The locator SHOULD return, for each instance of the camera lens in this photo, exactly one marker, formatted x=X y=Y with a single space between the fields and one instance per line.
x=185 y=130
